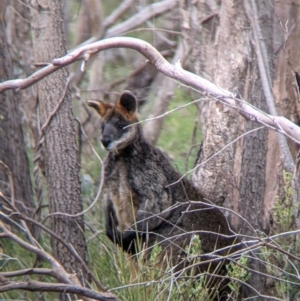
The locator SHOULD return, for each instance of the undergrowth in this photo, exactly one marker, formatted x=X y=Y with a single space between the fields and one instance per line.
x=135 y=279
x=278 y=262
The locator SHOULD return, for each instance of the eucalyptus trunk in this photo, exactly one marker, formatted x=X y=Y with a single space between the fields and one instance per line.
x=237 y=177
x=59 y=147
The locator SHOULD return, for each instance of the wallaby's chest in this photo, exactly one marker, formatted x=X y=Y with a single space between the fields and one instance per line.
x=118 y=191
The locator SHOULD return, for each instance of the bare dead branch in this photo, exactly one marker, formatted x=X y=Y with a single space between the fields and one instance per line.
x=29 y=81
x=281 y=124
x=58 y=270
x=29 y=271
x=152 y=10
x=37 y=286
x=13 y=201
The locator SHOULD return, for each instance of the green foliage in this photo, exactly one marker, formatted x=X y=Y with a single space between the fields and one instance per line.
x=194 y=247
x=278 y=263
x=137 y=279
x=188 y=287
x=130 y=279
x=238 y=271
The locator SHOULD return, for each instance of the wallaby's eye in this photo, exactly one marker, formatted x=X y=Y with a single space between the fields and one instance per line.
x=121 y=125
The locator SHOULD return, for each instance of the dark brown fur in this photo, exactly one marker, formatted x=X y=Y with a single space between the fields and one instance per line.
x=142 y=196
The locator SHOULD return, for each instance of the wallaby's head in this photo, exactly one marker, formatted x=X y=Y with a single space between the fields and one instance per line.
x=115 y=119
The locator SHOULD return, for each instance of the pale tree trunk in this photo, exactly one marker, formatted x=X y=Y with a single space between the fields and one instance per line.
x=235 y=69
x=59 y=146
x=12 y=147
x=238 y=177
x=255 y=157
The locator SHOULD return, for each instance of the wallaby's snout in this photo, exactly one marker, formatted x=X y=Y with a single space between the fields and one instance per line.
x=106 y=142
x=109 y=134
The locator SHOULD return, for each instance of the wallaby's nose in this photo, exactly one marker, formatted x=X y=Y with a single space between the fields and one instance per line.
x=105 y=141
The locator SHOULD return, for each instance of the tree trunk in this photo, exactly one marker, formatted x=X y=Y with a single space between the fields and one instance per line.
x=236 y=178
x=59 y=146
x=12 y=147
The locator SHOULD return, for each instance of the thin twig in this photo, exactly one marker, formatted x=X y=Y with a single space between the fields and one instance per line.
x=88 y=140
x=87 y=209
x=29 y=271
x=164 y=114
x=215 y=154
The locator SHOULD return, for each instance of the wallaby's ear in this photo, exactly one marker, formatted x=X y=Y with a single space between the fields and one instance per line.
x=128 y=102
x=99 y=106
